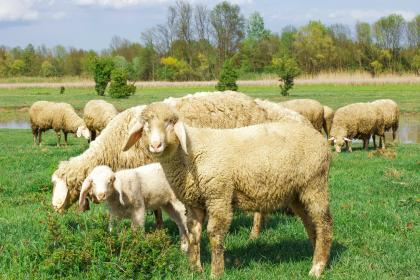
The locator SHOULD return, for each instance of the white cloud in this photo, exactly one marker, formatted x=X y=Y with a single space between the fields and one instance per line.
x=117 y=3
x=13 y=10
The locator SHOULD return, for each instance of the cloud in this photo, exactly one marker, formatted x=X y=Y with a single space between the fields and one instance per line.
x=14 y=10
x=117 y=3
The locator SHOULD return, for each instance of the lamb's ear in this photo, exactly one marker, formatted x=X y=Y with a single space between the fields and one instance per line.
x=134 y=135
x=86 y=186
x=182 y=136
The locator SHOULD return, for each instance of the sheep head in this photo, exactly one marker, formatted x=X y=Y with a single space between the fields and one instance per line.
x=99 y=184
x=60 y=196
x=339 y=142
x=162 y=130
x=83 y=131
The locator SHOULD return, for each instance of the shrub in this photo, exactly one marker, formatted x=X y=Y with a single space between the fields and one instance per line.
x=375 y=67
x=102 y=68
x=228 y=77
x=415 y=64
x=119 y=87
x=287 y=70
x=77 y=245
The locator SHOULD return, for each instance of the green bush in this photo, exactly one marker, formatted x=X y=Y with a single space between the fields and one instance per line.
x=75 y=245
x=228 y=77
x=119 y=87
x=102 y=68
x=287 y=70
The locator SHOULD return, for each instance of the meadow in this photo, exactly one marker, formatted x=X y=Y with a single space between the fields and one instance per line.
x=375 y=204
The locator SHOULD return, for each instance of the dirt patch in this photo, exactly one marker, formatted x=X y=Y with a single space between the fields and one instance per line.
x=23 y=110
x=395 y=173
x=387 y=153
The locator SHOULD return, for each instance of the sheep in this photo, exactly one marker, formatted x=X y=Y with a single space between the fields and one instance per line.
x=214 y=109
x=391 y=115
x=130 y=192
x=97 y=114
x=358 y=120
x=309 y=108
x=45 y=115
x=327 y=120
x=256 y=168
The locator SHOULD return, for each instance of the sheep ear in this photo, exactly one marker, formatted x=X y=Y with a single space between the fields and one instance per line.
x=347 y=139
x=182 y=136
x=134 y=135
x=331 y=139
x=86 y=186
x=79 y=132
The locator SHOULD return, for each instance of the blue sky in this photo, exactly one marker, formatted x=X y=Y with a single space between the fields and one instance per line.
x=91 y=24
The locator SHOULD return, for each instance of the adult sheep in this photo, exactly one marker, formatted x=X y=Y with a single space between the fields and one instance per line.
x=256 y=168
x=309 y=108
x=97 y=114
x=358 y=120
x=328 y=119
x=391 y=115
x=45 y=115
x=215 y=109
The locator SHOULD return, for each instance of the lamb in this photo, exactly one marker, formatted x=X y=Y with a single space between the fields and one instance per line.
x=130 y=192
x=358 y=120
x=328 y=119
x=256 y=168
x=309 y=108
x=97 y=114
x=216 y=109
x=391 y=115
x=45 y=115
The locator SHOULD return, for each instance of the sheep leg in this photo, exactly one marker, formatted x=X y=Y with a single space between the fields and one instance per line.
x=195 y=220
x=35 y=134
x=58 y=138
x=158 y=218
x=92 y=135
x=382 y=141
x=366 y=143
x=39 y=137
x=299 y=209
x=65 y=138
x=220 y=218
x=175 y=211
x=256 y=227
x=137 y=218
x=318 y=210
x=111 y=223
x=348 y=146
x=374 y=141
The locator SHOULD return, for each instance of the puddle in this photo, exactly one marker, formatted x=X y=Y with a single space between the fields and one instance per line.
x=15 y=125
x=408 y=131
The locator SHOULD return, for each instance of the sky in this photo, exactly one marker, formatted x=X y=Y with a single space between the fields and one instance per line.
x=90 y=24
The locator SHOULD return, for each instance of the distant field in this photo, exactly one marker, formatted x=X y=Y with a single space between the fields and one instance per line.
x=375 y=204
x=14 y=102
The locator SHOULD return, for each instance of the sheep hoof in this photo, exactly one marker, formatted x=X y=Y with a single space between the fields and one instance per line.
x=316 y=270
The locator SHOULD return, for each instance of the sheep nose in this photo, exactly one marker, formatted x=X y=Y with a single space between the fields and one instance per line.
x=156 y=145
x=101 y=196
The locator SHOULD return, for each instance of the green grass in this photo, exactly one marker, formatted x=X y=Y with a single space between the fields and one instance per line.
x=406 y=95
x=375 y=204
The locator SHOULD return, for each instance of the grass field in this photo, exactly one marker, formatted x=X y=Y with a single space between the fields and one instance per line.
x=375 y=202
x=14 y=102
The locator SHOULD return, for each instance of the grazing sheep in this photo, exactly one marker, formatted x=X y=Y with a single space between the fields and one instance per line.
x=130 y=192
x=328 y=119
x=256 y=168
x=214 y=109
x=391 y=114
x=97 y=114
x=358 y=120
x=46 y=115
x=309 y=108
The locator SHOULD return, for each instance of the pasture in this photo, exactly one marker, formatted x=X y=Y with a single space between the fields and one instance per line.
x=374 y=199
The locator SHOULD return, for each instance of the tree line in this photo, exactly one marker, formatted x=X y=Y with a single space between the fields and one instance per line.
x=195 y=41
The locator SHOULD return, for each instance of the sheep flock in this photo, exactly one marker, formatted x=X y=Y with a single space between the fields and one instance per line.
x=200 y=156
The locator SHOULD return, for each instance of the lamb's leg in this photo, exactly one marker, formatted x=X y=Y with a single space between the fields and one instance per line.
x=158 y=218
x=256 y=227
x=316 y=203
x=195 y=220
x=65 y=138
x=220 y=217
x=137 y=218
x=111 y=223
x=58 y=138
x=176 y=212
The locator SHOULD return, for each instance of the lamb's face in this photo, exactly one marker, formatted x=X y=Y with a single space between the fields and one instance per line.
x=60 y=197
x=102 y=180
x=83 y=131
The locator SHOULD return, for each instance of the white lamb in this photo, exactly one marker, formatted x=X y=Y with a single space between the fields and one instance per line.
x=130 y=192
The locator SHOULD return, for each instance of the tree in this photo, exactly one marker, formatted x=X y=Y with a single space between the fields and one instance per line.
x=375 y=67
x=363 y=34
x=288 y=70
x=119 y=87
x=389 y=31
x=47 y=69
x=228 y=77
x=255 y=29
x=228 y=29
x=413 y=32
x=415 y=64
x=102 y=69
x=17 y=68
